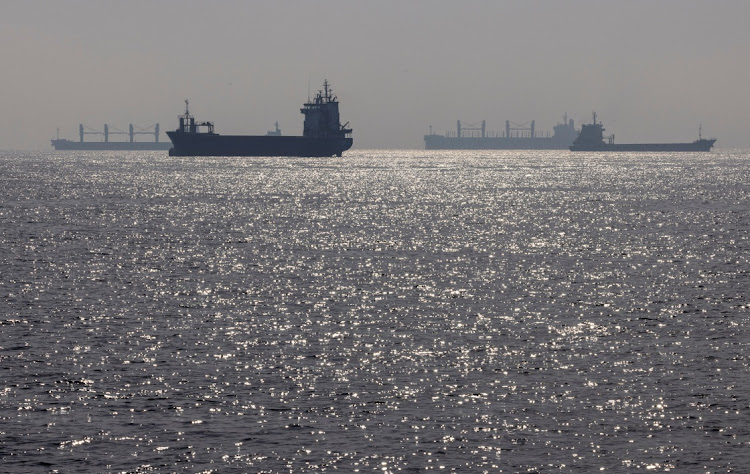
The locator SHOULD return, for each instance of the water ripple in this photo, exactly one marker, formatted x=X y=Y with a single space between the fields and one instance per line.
x=393 y=310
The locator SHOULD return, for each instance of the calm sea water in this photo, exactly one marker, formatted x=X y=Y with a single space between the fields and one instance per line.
x=388 y=311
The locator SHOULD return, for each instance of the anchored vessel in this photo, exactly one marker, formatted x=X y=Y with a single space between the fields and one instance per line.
x=516 y=137
x=323 y=135
x=63 y=144
x=592 y=138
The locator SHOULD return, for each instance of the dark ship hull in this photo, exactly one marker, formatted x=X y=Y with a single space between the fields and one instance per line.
x=204 y=144
x=323 y=135
x=62 y=144
x=698 y=145
x=440 y=142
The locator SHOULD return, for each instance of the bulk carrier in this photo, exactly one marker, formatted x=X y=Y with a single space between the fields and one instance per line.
x=592 y=138
x=323 y=135
x=132 y=144
x=515 y=137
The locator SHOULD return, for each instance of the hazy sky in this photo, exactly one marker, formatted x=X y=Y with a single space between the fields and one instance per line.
x=653 y=70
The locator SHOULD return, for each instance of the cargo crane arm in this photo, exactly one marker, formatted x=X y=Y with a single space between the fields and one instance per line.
x=116 y=131
x=471 y=126
x=520 y=126
x=90 y=131
x=146 y=130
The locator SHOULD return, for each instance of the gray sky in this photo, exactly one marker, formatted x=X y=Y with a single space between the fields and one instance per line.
x=653 y=70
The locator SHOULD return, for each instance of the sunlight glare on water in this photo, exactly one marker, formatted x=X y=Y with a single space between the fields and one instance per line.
x=390 y=310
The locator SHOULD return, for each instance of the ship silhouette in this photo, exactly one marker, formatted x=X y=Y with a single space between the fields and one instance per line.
x=592 y=138
x=323 y=135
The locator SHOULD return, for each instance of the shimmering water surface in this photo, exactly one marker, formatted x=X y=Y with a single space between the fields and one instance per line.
x=388 y=311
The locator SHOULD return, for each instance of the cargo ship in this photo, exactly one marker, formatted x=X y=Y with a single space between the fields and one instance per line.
x=515 y=137
x=64 y=144
x=592 y=138
x=323 y=135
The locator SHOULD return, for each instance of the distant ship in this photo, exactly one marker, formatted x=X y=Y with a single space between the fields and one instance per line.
x=592 y=138
x=516 y=137
x=81 y=144
x=323 y=135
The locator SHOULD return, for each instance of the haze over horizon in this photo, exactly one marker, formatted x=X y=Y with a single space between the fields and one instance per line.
x=653 y=71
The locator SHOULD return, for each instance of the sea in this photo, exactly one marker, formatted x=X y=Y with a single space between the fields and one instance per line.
x=387 y=311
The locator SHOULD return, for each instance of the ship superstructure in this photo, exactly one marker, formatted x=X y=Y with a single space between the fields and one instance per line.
x=323 y=135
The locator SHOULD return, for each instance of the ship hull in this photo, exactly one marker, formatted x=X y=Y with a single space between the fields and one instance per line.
x=698 y=145
x=62 y=144
x=214 y=144
x=440 y=142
